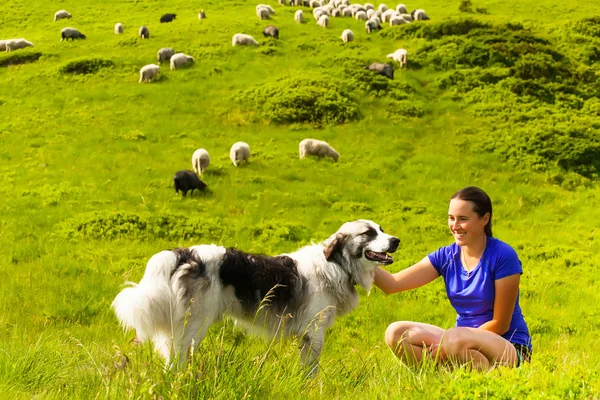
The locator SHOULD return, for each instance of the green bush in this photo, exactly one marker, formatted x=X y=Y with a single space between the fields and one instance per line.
x=451 y=27
x=19 y=57
x=302 y=100
x=85 y=66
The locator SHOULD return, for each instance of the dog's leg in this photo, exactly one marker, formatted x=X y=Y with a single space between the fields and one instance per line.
x=195 y=331
x=310 y=350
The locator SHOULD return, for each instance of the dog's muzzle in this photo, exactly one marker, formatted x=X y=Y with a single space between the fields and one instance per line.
x=383 y=257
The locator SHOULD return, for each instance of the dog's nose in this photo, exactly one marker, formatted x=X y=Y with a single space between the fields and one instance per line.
x=394 y=242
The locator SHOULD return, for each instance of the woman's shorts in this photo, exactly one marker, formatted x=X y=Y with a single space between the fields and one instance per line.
x=523 y=353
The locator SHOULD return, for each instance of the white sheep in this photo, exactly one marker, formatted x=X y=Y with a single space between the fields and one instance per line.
x=263 y=13
x=323 y=21
x=397 y=20
x=369 y=6
x=336 y=12
x=370 y=13
x=179 y=59
x=407 y=17
x=400 y=56
x=165 y=54
x=401 y=8
x=200 y=161
x=387 y=15
x=382 y=8
x=420 y=15
x=314 y=147
x=299 y=16
x=347 y=12
x=61 y=14
x=347 y=36
x=314 y=3
x=144 y=33
x=240 y=39
x=202 y=15
x=239 y=152
x=16 y=44
x=361 y=16
x=3 y=44
x=268 y=7
x=318 y=12
x=119 y=28
x=149 y=72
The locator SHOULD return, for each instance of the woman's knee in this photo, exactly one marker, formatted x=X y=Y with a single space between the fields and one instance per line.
x=455 y=340
x=396 y=331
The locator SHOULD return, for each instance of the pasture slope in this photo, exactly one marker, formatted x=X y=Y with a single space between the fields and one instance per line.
x=505 y=98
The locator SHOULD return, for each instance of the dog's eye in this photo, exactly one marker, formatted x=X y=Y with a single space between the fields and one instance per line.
x=369 y=232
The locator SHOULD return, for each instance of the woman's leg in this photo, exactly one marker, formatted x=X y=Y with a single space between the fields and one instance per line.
x=407 y=339
x=483 y=349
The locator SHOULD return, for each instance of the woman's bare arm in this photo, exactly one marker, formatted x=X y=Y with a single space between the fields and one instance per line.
x=412 y=277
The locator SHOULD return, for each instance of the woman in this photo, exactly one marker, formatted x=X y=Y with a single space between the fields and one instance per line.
x=482 y=277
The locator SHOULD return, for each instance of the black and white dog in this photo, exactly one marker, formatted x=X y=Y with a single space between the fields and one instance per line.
x=185 y=290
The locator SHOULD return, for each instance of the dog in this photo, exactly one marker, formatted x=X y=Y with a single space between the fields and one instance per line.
x=185 y=290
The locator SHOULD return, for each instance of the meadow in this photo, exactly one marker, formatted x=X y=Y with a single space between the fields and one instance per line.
x=505 y=97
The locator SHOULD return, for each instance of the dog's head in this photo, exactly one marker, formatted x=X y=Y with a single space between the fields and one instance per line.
x=361 y=246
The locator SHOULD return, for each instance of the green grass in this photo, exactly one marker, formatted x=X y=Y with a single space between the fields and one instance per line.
x=76 y=150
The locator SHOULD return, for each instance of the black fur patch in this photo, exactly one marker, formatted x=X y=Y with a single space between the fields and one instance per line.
x=253 y=276
x=186 y=256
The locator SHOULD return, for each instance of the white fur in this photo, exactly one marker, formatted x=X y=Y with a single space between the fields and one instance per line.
x=16 y=44
x=61 y=14
x=239 y=152
x=180 y=59
x=119 y=28
x=400 y=56
x=200 y=161
x=148 y=72
x=240 y=39
x=314 y=147
x=323 y=21
x=299 y=16
x=347 y=36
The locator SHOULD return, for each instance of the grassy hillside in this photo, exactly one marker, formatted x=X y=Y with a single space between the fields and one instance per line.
x=506 y=100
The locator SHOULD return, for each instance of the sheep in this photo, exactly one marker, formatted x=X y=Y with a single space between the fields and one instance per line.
x=167 y=18
x=200 y=161
x=62 y=14
x=419 y=15
x=314 y=3
x=282 y=2
x=323 y=21
x=148 y=72
x=299 y=16
x=16 y=44
x=407 y=17
x=347 y=36
x=360 y=16
x=119 y=28
x=3 y=44
x=336 y=12
x=369 y=6
x=401 y=56
x=314 y=147
x=317 y=13
x=370 y=13
x=165 y=54
x=187 y=180
x=372 y=25
x=71 y=33
x=179 y=59
x=144 y=33
x=397 y=20
x=268 y=7
x=263 y=13
x=347 y=12
x=240 y=39
x=271 y=30
x=387 y=15
x=239 y=152
x=401 y=8
x=382 y=69
x=202 y=15
x=382 y=8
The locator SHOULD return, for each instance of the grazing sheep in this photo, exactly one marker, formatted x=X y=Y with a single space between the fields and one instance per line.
x=387 y=15
x=369 y=6
x=372 y=25
x=180 y=59
x=347 y=12
x=361 y=16
x=407 y=17
x=347 y=36
x=62 y=14
x=3 y=44
x=323 y=21
x=263 y=13
x=271 y=30
x=200 y=161
x=370 y=13
x=144 y=33
x=299 y=16
x=314 y=4
x=382 y=69
x=397 y=20
x=336 y=12
x=165 y=54
x=282 y=2
x=401 y=56
x=187 y=180
x=16 y=44
x=202 y=15
x=268 y=7
x=119 y=28
x=401 y=8
x=314 y=147
x=71 y=33
x=148 y=72
x=167 y=18
x=382 y=8
x=317 y=13
x=419 y=15
x=239 y=152
x=240 y=39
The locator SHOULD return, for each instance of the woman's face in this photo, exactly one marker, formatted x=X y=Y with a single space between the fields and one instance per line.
x=464 y=223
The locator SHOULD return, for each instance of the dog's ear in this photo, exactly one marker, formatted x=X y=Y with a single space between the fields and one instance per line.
x=335 y=246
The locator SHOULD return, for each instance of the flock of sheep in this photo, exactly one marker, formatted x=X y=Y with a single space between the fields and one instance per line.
x=187 y=180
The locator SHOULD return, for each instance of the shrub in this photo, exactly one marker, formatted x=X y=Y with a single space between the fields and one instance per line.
x=19 y=57
x=302 y=100
x=451 y=27
x=85 y=66
x=465 y=6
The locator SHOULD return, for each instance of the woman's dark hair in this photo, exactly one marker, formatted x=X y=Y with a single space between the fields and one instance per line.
x=482 y=203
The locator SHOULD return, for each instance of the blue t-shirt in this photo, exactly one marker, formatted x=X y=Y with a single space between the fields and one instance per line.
x=472 y=294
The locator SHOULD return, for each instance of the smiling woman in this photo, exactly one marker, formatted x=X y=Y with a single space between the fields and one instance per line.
x=482 y=277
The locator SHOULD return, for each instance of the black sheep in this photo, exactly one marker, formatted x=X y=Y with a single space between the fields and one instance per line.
x=186 y=180
x=272 y=31
x=382 y=69
x=167 y=18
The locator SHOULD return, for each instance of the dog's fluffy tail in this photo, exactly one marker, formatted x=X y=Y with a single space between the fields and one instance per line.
x=150 y=306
